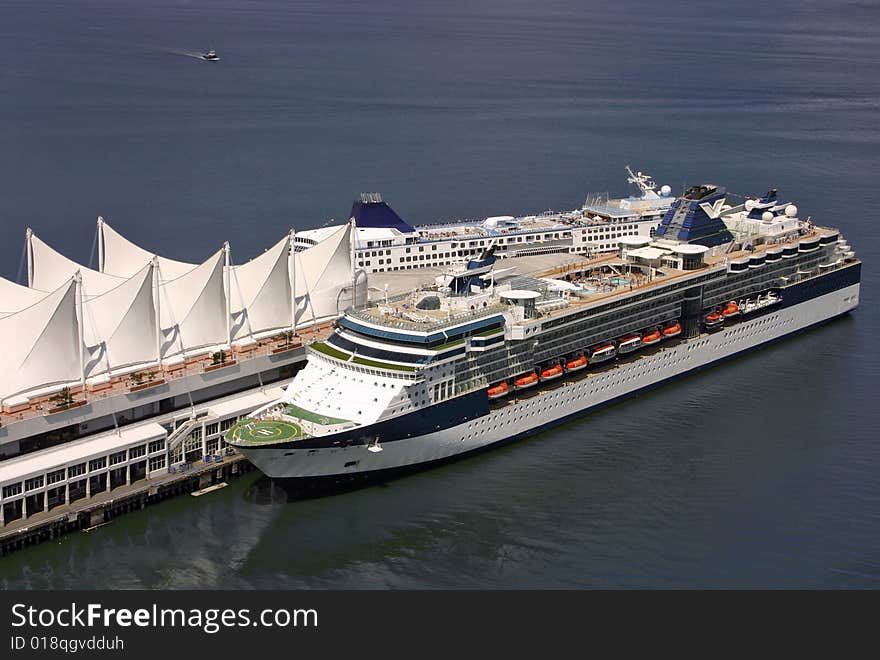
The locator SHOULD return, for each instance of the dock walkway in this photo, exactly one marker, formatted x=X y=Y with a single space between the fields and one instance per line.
x=101 y=508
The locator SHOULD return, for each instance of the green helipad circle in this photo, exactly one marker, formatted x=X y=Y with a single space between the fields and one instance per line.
x=266 y=431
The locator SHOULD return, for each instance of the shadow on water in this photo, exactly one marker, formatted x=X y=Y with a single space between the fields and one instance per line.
x=265 y=491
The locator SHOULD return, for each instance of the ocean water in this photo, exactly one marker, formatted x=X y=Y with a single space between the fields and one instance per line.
x=762 y=472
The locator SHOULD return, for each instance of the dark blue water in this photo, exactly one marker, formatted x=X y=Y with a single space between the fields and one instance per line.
x=761 y=472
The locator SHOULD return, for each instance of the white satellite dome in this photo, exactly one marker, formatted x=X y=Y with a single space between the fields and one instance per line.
x=665 y=190
x=750 y=204
x=791 y=211
x=767 y=216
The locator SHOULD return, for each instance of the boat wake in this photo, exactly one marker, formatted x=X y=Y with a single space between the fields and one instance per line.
x=186 y=53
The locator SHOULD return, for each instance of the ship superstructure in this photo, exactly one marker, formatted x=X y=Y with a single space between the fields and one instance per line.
x=471 y=362
x=386 y=242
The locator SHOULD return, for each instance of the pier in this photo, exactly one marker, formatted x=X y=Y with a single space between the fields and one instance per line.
x=88 y=482
x=98 y=510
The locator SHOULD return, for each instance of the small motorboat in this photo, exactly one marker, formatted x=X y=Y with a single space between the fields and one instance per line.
x=730 y=310
x=528 y=380
x=603 y=353
x=652 y=338
x=673 y=330
x=713 y=320
x=210 y=56
x=577 y=364
x=629 y=344
x=552 y=372
x=499 y=390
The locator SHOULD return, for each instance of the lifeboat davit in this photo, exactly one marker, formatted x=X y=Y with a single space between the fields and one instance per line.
x=499 y=390
x=552 y=372
x=652 y=338
x=529 y=380
x=602 y=353
x=730 y=310
x=713 y=320
x=673 y=330
x=577 y=364
x=629 y=344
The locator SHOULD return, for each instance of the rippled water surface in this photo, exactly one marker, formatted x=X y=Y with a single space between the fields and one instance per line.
x=764 y=471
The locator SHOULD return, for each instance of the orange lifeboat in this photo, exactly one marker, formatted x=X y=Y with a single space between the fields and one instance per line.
x=673 y=330
x=577 y=364
x=499 y=390
x=713 y=320
x=730 y=309
x=553 y=372
x=652 y=338
x=629 y=344
x=528 y=380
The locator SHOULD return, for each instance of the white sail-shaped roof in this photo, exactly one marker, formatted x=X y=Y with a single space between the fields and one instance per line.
x=15 y=297
x=49 y=269
x=260 y=292
x=119 y=326
x=41 y=344
x=323 y=277
x=74 y=323
x=193 y=308
x=123 y=258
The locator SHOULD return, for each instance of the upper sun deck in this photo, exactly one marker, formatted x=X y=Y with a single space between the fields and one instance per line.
x=618 y=209
x=501 y=226
x=401 y=314
x=597 y=279
x=618 y=283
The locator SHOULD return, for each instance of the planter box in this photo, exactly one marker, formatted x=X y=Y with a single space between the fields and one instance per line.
x=214 y=367
x=67 y=406
x=284 y=349
x=146 y=386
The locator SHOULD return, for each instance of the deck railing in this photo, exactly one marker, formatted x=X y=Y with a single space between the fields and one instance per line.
x=127 y=384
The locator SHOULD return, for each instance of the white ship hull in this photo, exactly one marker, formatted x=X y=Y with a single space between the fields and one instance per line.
x=566 y=399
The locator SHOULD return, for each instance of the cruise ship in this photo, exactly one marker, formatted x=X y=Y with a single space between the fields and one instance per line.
x=474 y=360
x=385 y=242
